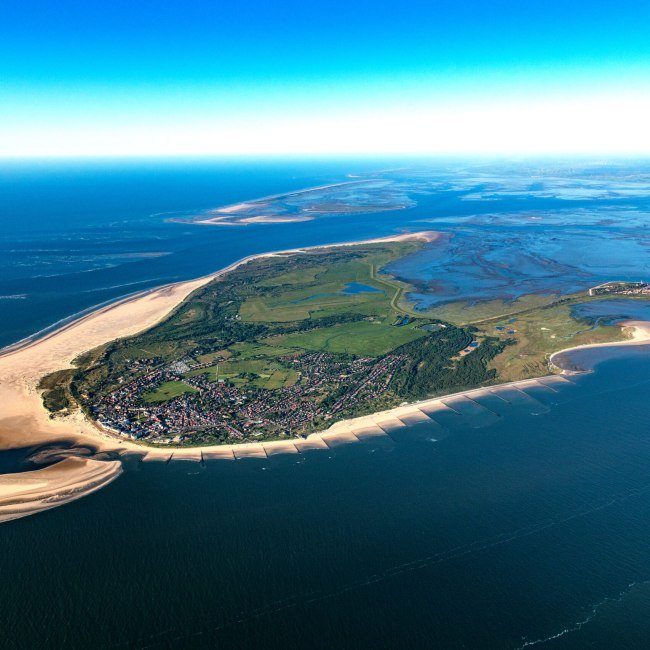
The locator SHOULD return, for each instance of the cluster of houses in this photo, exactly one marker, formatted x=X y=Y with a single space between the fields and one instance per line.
x=621 y=288
x=228 y=411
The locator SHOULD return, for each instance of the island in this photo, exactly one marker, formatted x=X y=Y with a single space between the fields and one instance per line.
x=285 y=345
x=346 y=198
x=282 y=353
x=279 y=347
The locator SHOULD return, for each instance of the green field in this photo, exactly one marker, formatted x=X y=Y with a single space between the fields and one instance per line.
x=293 y=277
x=167 y=391
x=320 y=293
x=362 y=338
x=148 y=351
x=461 y=313
x=211 y=357
x=260 y=373
x=250 y=350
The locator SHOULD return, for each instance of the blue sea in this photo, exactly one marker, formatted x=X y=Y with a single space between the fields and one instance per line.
x=78 y=234
x=525 y=528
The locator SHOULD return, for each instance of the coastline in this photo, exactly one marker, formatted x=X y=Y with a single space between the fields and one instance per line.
x=639 y=335
x=25 y=420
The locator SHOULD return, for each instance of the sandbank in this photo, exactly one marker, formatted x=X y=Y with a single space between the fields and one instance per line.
x=222 y=220
x=27 y=493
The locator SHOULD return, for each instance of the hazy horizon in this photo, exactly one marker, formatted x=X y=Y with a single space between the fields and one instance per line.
x=338 y=79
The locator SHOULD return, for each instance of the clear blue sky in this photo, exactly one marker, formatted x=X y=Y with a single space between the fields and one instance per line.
x=139 y=76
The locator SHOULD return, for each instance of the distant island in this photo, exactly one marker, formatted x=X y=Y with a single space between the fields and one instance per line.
x=348 y=197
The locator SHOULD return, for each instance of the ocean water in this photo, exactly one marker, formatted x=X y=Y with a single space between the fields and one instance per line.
x=77 y=235
x=532 y=527
x=524 y=523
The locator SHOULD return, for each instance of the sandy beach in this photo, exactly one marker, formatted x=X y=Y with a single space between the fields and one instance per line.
x=30 y=492
x=221 y=216
x=224 y=220
x=638 y=331
x=25 y=421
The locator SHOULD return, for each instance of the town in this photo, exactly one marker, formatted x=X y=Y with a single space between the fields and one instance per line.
x=327 y=385
x=621 y=288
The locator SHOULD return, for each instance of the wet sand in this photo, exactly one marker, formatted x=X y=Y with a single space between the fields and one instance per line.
x=30 y=492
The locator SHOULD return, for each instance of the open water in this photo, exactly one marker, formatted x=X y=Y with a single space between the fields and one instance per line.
x=525 y=525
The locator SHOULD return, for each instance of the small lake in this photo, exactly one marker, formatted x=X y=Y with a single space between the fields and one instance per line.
x=350 y=289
